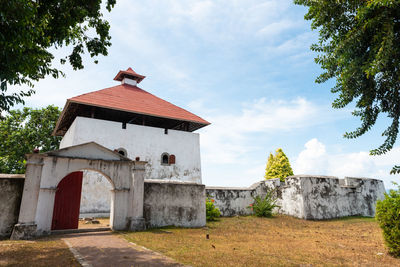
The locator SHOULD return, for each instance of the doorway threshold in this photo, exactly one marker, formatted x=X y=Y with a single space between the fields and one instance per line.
x=73 y=231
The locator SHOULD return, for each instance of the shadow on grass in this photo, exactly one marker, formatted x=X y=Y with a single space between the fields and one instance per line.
x=354 y=219
x=39 y=252
x=164 y=229
x=345 y=219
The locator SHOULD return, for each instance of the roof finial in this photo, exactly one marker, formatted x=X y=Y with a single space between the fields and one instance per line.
x=129 y=76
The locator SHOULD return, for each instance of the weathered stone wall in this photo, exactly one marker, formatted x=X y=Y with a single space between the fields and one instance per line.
x=233 y=201
x=331 y=197
x=305 y=196
x=174 y=203
x=11 y=187
x=182 y=203
x=177 y=199
x=289 y=195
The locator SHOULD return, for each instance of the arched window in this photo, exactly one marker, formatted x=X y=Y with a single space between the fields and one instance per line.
x=165 y=159
x=122 y=151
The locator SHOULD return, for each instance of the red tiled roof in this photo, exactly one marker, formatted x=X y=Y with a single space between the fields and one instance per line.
x=130 y=98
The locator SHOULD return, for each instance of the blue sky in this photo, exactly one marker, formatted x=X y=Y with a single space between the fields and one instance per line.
x=246 y=67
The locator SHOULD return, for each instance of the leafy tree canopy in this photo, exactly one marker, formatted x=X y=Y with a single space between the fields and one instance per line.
x=29 y=28
x=21 y=131
x=359 y=45
x=278 y=166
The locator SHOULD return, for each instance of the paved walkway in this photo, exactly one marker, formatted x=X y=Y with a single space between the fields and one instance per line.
x=107 y=249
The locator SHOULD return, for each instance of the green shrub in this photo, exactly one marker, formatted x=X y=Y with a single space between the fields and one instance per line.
x=388 y=216
x=262 y=207
x=212 y=212
x=278 y=166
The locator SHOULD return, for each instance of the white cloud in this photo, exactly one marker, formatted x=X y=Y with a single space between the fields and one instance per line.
x=230 y=137
x=314 y=159
x=208 y=21
x=278 y=27
x=300 y=42
x=171 y=40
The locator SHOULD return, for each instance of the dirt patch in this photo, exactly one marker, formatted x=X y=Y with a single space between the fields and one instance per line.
x=283 y=240
x=94 y=223
x=41 y=252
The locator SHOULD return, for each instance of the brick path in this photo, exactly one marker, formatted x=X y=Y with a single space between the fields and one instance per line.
x=107 y=249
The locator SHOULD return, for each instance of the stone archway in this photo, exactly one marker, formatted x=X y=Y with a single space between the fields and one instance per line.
x=44 y=172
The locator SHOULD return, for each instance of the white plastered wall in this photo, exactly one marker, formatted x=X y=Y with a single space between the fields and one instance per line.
x=148 y=143
x=96 y=195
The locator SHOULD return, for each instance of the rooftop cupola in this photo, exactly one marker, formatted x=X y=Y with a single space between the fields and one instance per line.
x=129 y=76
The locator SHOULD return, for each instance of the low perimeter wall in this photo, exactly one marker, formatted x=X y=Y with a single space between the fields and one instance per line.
x=305 y=196
x=174 y=203
x=165 y=203
x=11 y=187
x=233 y=201
x=182 y=204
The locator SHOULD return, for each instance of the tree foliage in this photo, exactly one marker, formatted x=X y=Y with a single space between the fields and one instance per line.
x=29 y=28
x=388 y=217
x=270 y=161
x=359 y=45
x=278 y=166
x=21 y=131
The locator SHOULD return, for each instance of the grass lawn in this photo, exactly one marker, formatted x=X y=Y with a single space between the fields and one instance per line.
x=283 y=240
x=50 y=251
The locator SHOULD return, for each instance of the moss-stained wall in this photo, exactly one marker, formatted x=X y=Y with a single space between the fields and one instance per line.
x=11 y=187
x=173 y=203
x=305 y=196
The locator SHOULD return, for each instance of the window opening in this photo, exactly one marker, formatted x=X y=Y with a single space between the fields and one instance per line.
x=122 y=151
x=165 y=159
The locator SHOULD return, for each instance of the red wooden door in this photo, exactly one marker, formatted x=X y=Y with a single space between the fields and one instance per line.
x=67 y=202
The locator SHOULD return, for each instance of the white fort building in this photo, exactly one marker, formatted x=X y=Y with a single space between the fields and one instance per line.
x=137 y=124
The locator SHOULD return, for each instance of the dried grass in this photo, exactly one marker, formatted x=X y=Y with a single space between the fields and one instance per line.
x=283 y=240
x=41 y=252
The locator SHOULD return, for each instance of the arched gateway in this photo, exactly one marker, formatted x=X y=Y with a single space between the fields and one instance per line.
x=45 y=171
